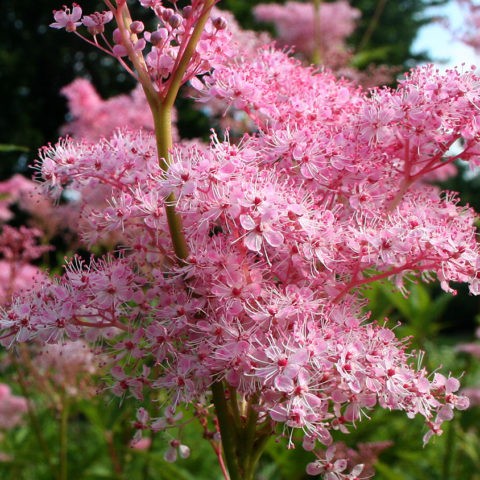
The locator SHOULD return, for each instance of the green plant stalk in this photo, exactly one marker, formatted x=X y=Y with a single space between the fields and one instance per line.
x=162 y=118
x=232 y=400
x=34 y=422
x=449 y=451
x=227 y=430
x=257 y=451
x=317 y=51
x=374 y=21
x=247 y=447
x=177 y=77
x=242 y=445
x=63 y=457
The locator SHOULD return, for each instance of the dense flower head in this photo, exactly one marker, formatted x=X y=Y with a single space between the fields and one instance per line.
x=281 y=231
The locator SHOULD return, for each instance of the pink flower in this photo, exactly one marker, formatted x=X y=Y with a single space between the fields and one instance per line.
x=332 y=470
x=176 y=448
x=260 y=231
x=67 y=19
x=12 y=408
x=95 y=22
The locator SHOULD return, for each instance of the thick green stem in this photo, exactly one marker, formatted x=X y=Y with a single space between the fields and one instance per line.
x=177 y=77
x=247 y=449
x=162 y=117
x=242 y=444
x=317 y=50
x=227 y=430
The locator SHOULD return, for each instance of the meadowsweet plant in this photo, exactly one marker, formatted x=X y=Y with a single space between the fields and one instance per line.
x=236 y=285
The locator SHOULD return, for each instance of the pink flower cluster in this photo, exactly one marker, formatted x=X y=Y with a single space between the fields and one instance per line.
x=470 y=28
x=92 y=118
x=69 y=366
x=283 y=229
x=157 y=53
x=12 y=408
x=297 y=26
x=18 y=247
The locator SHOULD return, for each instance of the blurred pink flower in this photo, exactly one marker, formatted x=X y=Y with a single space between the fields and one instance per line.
x=12 y=408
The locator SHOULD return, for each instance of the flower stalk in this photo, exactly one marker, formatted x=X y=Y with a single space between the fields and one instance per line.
x=243 y=443
x=317 y=52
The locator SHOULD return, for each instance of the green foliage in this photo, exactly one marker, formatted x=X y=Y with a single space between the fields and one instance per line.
x=389 y=29
x=420 y=314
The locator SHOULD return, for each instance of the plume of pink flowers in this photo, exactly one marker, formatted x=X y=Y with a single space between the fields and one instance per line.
x=92 y=118
x=241 y=266
x=12 y=408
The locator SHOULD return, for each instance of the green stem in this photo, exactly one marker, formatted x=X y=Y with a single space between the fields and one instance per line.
x=317 y=51
x=247 y=450
x=232 y=400
x=449 y=451
x=242 y=445
x=177 y=77
x=63 y=468
x=257 y=451
x=227 y=430
x=372 y=25
x=162 y=117
x=34 y=422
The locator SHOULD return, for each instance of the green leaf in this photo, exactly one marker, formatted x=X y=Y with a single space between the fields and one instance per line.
x=12 y=148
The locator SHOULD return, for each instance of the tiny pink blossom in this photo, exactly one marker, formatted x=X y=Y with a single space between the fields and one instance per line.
x=95 y=22
x=67 y=19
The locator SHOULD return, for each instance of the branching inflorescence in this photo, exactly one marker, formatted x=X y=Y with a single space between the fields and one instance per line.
x=240 y=272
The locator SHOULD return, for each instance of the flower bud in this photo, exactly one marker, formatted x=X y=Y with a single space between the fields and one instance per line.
x=219 y=23
x=137 y=27
x=159 y=36
x=187 y=11
x=166 y=13
x=117 y=36
x=175 y=20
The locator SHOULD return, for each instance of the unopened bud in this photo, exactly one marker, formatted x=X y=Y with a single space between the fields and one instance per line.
x=175 y=20
x=219 y=23
x=187 y=11
x=159 y=36
x=117 y=36
x=166 y=13
x=137 y=27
